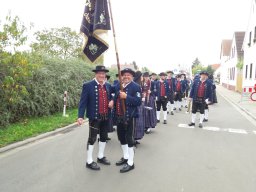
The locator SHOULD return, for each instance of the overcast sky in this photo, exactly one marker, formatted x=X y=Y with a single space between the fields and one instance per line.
x=158 y=34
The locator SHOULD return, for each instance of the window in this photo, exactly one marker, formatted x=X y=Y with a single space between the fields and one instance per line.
x=246 y=71
x=251 y=70
x=254 y=40
x=255 y=72
x=250 y=39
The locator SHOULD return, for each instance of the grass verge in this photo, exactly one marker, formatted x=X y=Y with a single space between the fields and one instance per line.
x=34 y=126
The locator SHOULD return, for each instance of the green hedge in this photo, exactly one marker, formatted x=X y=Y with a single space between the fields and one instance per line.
x=45 y=89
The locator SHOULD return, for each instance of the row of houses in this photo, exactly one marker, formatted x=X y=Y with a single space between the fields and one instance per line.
x=238 y=57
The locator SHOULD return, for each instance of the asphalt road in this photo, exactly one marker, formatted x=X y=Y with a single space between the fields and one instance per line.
x=219 y=158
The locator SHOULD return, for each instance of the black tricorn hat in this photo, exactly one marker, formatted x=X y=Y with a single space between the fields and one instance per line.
x=170 y=72
x=162 y=74
x=100 y=68
x=146 y=74
x=204 y=73
x=127 y=70
x=178 y=76
x=153 y=74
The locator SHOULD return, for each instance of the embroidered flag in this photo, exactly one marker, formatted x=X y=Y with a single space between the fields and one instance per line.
x=94 y=27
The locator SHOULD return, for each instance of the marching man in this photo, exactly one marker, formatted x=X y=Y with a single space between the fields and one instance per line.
x=200 y=94
x=179 y=91
x=96 y=101
x=162 y=93
x=171 y=82
x=131 y=96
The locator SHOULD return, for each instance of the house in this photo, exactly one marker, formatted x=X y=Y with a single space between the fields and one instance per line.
x=249 y=48
x=224 y=57
x=231 y=73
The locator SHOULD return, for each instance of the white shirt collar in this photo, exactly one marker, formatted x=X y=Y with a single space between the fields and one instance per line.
x=99 y=83
x=126 y=85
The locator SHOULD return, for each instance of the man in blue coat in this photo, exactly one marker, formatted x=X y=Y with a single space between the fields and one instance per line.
x=96 y=101
x=162 y=93
x=179 y=91
x=200 y=94
x=125 y=114
x=172 y=86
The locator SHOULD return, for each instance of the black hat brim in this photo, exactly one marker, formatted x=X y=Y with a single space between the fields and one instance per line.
x=102 y=70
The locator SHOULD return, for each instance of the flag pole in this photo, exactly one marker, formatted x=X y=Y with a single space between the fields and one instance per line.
x=117 y=54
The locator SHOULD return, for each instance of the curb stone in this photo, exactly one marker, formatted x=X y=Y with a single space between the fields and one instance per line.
x=39 y=137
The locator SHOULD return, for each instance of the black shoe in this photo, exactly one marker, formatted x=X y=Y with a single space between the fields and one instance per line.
x=122 y=161
x=200 y=125
x=179 y=109
x=127 y=168
x=137 y=142
x=103 y=161
x=186 y=106
x=174 y=108
x=147 y=131
x=108 y=139
x=205 y=120
x=165 y=122
x=167 y=112
x=158 y=121
x=191 y=124
x=172 y=113
x=93 y=166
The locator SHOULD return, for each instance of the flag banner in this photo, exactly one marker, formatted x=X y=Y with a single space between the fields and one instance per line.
x=94 y=27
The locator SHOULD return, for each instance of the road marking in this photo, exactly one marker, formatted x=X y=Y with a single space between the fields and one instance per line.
x=217 y=129
x=186 y=126
x=254 y=132
x=241 y=131
x=211 y=128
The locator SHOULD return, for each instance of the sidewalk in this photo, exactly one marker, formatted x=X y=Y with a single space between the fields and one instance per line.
x=247 y=106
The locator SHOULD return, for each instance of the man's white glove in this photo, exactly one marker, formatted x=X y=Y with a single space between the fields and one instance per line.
x=156 y=98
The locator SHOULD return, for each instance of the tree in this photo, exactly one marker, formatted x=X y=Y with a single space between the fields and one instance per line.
x=60 y=42
x=14 y=66
x=12 y=34
x=196 y=63
x=210 y=70
x=145 y=69
x=135 y=65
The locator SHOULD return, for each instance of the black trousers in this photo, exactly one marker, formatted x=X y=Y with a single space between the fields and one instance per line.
x=98 y=127
x=171 y=98
x=178 y=96
x=162 y=103
x=125 y=132
x=198 y=106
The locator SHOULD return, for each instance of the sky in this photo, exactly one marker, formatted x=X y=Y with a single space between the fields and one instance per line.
x=158 y=34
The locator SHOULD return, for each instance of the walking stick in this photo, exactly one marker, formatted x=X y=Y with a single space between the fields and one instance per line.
x=117 y=55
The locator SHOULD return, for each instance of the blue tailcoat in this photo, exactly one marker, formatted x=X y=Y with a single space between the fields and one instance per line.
x=133 y=100
x=207 y=93
x=89 y=100
x=183 y=86
x=173 y=85
x=158 y=89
